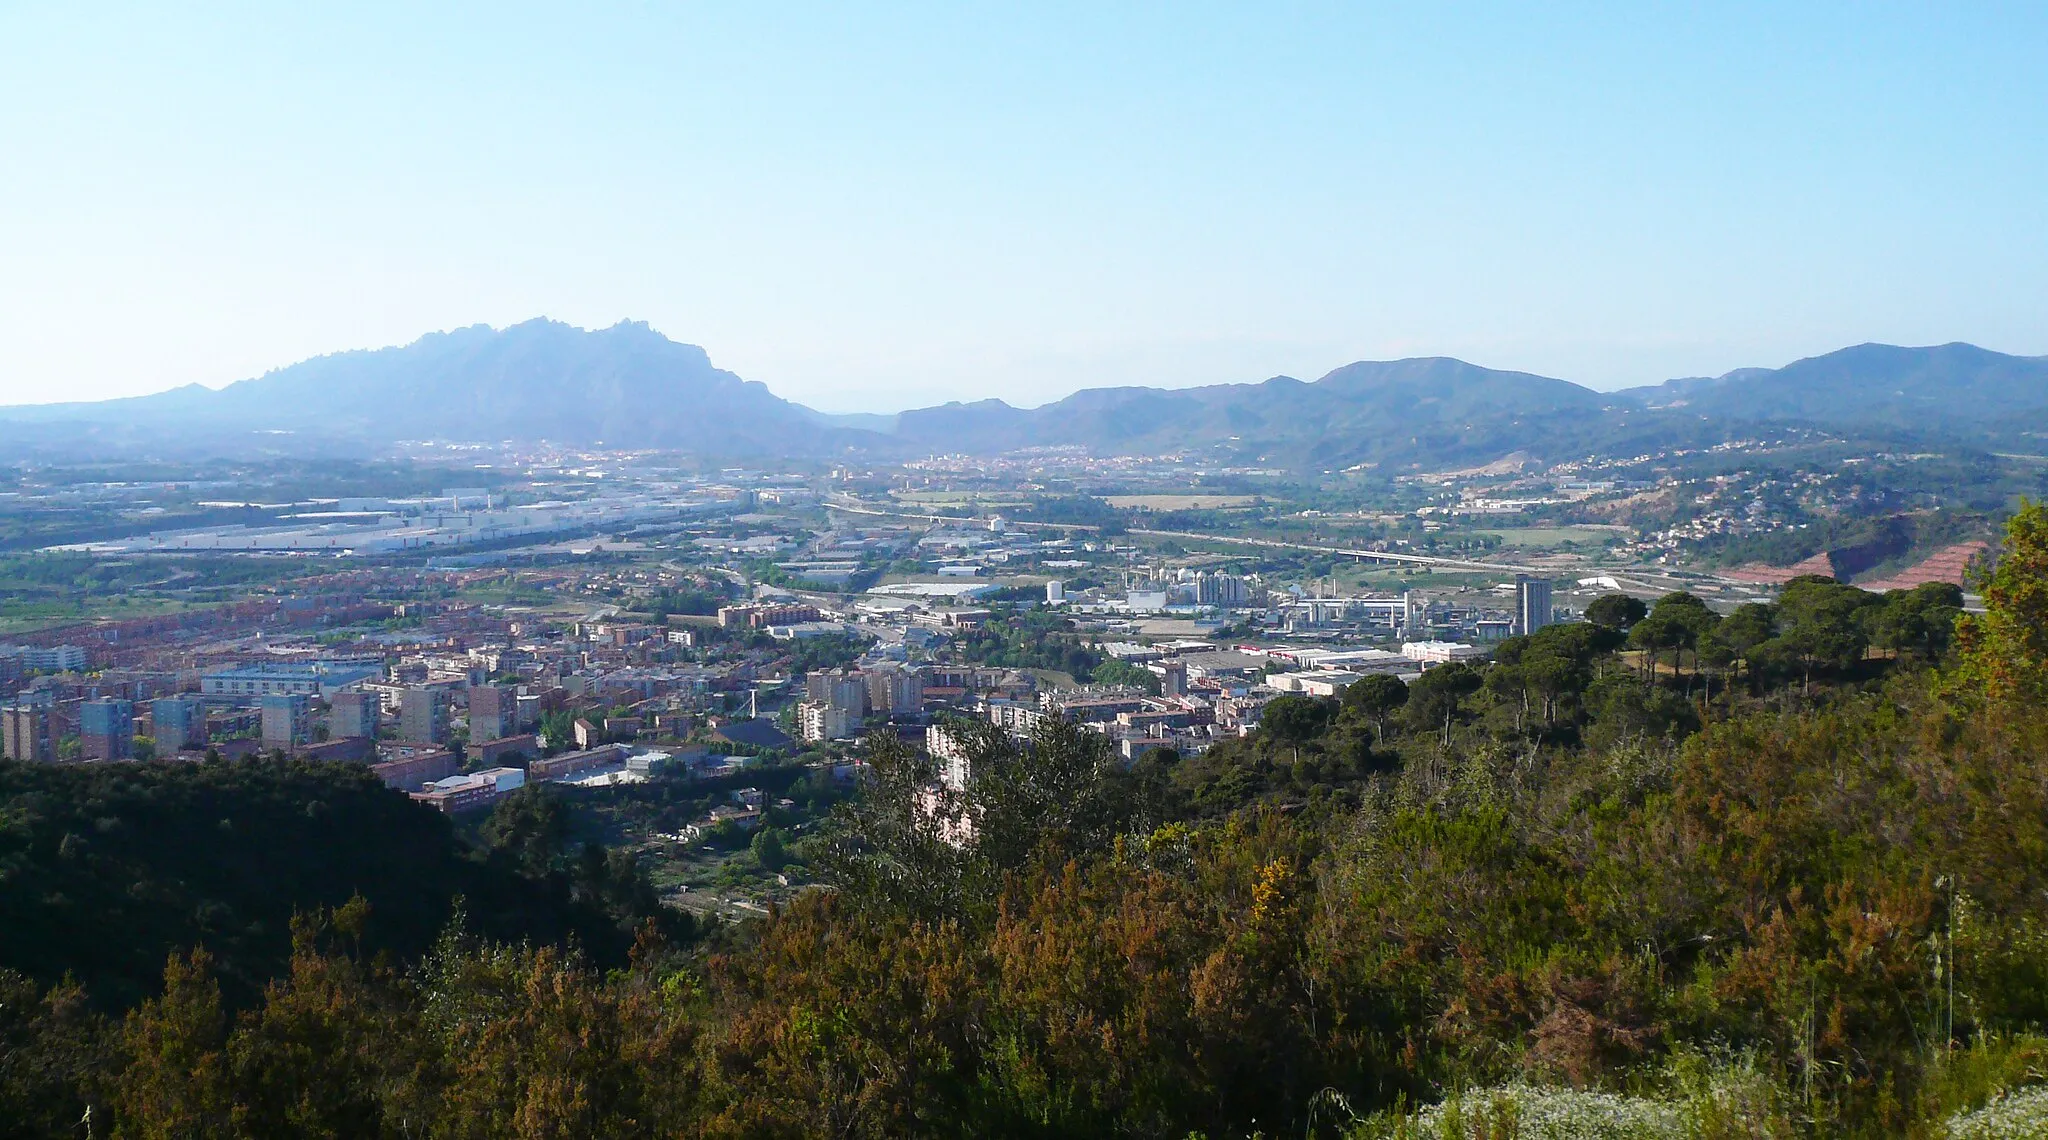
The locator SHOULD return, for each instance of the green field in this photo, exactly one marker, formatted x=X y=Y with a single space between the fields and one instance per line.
x=1549 y=536
x=947 y=498
x=1181 y=502
x=27 y=616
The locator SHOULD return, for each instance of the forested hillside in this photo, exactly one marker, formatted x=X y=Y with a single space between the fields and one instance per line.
x=1666 y=873
x=106 y=868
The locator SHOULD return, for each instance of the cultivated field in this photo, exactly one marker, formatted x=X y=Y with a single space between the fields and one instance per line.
x=1547 y=536
x=955 y=498
x=1181 y=502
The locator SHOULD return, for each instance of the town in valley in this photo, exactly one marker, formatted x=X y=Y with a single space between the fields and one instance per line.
x=696 y=653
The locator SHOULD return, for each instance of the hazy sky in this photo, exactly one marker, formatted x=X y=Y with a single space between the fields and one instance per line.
x=868 y=208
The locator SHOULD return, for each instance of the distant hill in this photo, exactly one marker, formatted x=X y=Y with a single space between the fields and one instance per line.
x=1436 y=407
x=630 y=386
x=1949 y=387
x=624 y=386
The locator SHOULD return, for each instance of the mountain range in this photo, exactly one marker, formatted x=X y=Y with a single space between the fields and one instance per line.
x=625 y=386
x=629 y=386
x=1948 y=386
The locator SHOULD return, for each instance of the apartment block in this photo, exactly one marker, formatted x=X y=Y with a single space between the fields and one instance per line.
x=287 y=720
x=819 y=721
x=895 y=692
x=353 y=715
x=106 y=730
x=410 y=769
x=25 y=729
x=466 y=793
x=1532 y=604
x=423 y=716
x=177 y=723
x=492 y=712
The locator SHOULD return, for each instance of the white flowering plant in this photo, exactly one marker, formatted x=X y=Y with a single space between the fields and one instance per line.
x=2008 y=1116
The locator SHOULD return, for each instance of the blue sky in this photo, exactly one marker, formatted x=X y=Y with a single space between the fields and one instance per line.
x=871 y=207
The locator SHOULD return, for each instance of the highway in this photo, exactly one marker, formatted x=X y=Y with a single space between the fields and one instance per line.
x=1630 y=579
x=1347 y=552
x=1372 y=555
x=851 y=508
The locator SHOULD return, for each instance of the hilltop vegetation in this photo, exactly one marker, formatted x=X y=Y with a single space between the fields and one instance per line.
x=106 y=868
x=1665 y=873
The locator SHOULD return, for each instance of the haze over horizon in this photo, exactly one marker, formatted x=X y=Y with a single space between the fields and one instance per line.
x=876 y=211
x=1027 y=402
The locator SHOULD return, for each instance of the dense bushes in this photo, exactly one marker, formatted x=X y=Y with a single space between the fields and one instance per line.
x=106 y=868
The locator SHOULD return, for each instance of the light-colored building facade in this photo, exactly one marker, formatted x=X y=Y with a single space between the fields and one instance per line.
x=818 y=721
x=106 y=730
x=1532 y=605
x=894 y=692
x=313 y=678
x=476 y=790
x=423 y=716
x=949 y=748
x=493 y=712
x=287 y=720
x=844 y=690
x=352 y=715
x=50 y=658
x=25 y=728
x=177 y=723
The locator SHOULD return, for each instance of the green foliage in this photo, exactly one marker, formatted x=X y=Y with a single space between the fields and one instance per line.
x=53 y=1049
x=701 y=599
x=1677 y=622
x=1436 y=699
x=529 y=828
x=1082 y=510
x=558 y=729
x=1629 y=709
x=2004 y=652
x=1294 y=719
x=1528 y=1112
x=1556 y=665
x=106 y=868
x=819 y=654
x=1029 y=639
x=1866 y=542
x=1920 y=621
x=898 y=845
x=1615 y=611
x=1738 y=634
x=768 y=849
x=1114 y=672
x=1822 y=624
x=345 y=1046
x=1375 y=698
x=2020 y=1113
